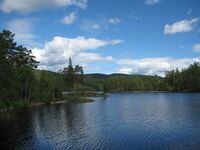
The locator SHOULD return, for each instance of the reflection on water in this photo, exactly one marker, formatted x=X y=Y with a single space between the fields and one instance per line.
x=121 y=121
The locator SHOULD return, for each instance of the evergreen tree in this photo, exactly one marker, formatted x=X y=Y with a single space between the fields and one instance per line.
x=16 y=69
x=70 y=75
x=79 y=74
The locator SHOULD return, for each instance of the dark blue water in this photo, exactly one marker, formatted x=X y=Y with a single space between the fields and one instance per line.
x=121 y=121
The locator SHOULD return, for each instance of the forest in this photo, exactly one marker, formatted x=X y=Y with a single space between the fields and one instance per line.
x=185 y=80
x=21 y=81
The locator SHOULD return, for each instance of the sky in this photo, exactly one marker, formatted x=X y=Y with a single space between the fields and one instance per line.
x=146 y=37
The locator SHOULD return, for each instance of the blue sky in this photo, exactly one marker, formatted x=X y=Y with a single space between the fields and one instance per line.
x=115 y=36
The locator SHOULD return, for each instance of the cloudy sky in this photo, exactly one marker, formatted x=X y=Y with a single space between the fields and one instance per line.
x=107 y=36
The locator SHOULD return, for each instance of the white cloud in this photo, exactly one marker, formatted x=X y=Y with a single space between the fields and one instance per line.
x=99 y=24
x=89 y=68
x=196 y=47
x=189 y=11
x=24 y=6
x=109 y=58
x=114 y=42
x=153 y=66
x=181 y=26
x=91 y=57
x=55 y=53
x=152 y=2
x=114 y=20
x=69 y=19
x=96 y=26
x=126 y=70
x=133 y=16
x=90 y=25
x=23 y=29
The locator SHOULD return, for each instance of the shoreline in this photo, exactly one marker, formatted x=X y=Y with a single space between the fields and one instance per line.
x=87 y=100
x=29 y=105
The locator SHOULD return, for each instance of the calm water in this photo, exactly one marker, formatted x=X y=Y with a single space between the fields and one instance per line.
x=121 y=121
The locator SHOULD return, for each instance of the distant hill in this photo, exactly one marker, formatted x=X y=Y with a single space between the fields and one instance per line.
x=97 y=77
x=100 y=75
x=97 y=80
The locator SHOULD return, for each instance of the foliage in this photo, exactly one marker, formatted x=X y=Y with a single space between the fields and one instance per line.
x=16 y=67
x=133 y=83
x=74 y=76
x=49 y=86
x=185 y=80
x=21 y=82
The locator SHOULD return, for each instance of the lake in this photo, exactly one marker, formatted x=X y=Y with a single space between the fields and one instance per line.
x=120 y=121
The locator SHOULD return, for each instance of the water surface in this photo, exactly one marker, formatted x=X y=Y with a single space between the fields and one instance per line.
x=120 y=121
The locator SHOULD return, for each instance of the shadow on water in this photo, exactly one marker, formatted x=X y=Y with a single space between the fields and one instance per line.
x=16 y=128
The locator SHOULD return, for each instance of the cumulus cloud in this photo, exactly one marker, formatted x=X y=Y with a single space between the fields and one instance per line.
x=55 y=53
x=89 y=68
x=181 y=26
x=153 y=66
x=152 y=2
x=109 y=58
x=114 y=20
x=24 y=6
x=69 y=19
x=196 y=48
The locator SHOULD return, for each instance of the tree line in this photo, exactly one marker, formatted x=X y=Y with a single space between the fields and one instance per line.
x=20 y=80
x=133 y=83
x=185 y=80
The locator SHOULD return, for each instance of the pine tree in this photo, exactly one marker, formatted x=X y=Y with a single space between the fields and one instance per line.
x=70 y=75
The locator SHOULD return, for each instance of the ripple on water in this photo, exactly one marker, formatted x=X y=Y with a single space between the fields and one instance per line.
x=122 y=121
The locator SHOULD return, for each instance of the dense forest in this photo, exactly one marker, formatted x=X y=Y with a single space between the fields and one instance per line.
x=186 y=80
x=20 y=80
x=16 y=70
